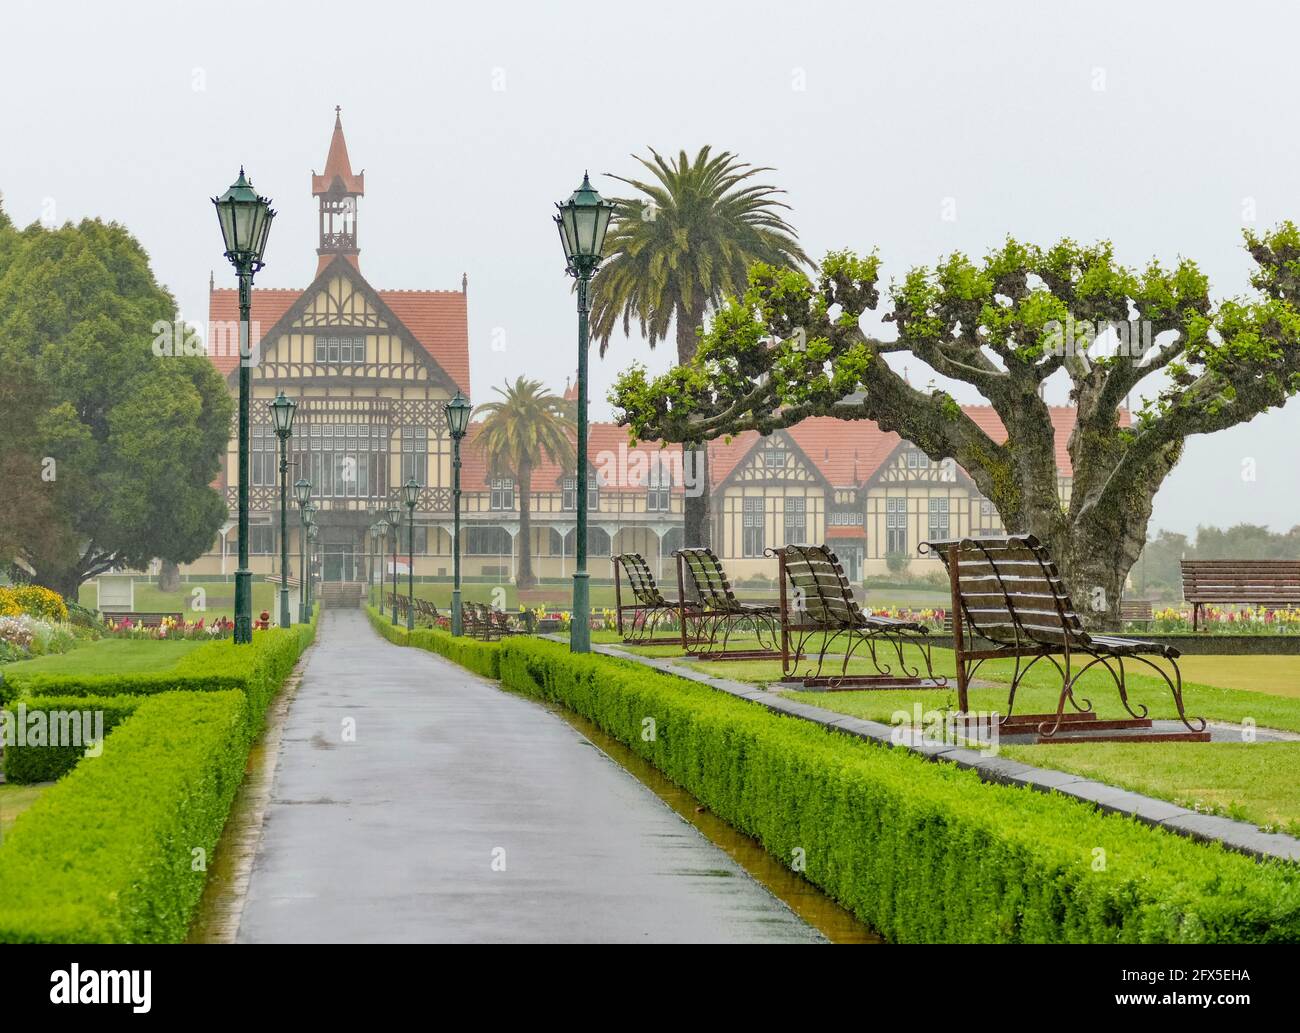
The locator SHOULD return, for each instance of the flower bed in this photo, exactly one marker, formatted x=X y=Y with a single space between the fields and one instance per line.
x=1247 y=620
x=170 y=628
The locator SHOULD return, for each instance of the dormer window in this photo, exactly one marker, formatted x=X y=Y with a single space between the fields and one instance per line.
x=340 y=348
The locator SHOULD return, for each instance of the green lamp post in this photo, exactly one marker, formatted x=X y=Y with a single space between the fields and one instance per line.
x=395 y=523
x=313 y=532
x=410 y=496
x=245 y=219
x=381 y=530
x=309 y=535
x=282 y=411
x=582 y=221
x=458 y=412
x=302 y=492
x=372 y=533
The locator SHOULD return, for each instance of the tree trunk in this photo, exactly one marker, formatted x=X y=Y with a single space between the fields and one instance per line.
x=524 y=577
x=696 y=526
x=169 y=577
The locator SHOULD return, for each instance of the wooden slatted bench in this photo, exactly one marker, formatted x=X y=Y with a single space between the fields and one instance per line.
x=1008 y=594
x=1136 y=611
x=648 y=607
x=1271 y=583
x=710 y=611
x=818 y=611
x=145 y=619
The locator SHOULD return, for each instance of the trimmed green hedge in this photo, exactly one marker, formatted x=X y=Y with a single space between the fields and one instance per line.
x=474 y=654
x=110 y=853
x=213 y=667
x=26 y=762
x=107 y=855
x=920 y=851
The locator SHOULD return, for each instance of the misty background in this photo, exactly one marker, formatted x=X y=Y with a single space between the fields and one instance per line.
x=916 y=129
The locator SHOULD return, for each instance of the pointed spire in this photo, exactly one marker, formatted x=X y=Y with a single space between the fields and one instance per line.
x=338 y=167
x=464 y=283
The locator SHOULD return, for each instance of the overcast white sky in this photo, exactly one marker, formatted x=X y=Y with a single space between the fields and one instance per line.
x=1159 y=126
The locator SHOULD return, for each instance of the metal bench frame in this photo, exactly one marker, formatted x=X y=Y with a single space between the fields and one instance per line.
x=649 y=608
x=1011 y=595
x=823 y=610
x=710 y=613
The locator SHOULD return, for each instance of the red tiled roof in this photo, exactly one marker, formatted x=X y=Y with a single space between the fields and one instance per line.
x=604 y=440
x=440 y=322
x=338 y=169
x=849 y=452
x=223 y=321
x=437 y=319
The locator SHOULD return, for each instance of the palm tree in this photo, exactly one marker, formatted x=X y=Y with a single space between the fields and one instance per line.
x=529 y=424
x=672 y=254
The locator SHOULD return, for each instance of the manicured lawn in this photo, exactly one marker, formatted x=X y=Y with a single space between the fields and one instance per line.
x=1276 y=675
x=14 y=799
x=107 y=656
x=1252 y=782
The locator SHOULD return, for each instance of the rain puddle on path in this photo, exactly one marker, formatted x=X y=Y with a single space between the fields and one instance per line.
x=797 y=893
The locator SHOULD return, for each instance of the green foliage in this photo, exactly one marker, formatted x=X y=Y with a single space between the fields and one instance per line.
x=685 y=243
x=136 y=438
x=106 y=855
x=922 y=852
x=471 y=653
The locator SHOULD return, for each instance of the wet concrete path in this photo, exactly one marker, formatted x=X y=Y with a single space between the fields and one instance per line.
x=463 y=813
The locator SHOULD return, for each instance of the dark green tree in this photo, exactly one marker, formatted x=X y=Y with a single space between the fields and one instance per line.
x=792 y=347
x=125 y=442
x=675 y=251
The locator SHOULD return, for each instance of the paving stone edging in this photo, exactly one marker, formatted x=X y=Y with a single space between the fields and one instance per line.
x=1207 y=828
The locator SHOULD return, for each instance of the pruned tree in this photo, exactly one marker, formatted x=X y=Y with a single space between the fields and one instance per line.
x=792 y=347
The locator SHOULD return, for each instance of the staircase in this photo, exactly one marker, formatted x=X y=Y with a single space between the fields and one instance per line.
x=342 y=594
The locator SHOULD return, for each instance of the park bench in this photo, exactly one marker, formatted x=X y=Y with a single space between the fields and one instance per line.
x=476 y=621
x=427 y=610
x=1270 y=583
x=1007 y=591
x=506 y=624
x=710 y=612
x=1135 y=611
x=819 y=611
x=142 y=618
x=648 y=608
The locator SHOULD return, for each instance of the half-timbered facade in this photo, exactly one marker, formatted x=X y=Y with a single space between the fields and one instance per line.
x=369 y=370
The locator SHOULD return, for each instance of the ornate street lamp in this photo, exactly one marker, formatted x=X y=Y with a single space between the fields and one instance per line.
x=308 y=523
x=395 y=523
x=381 y=530
x=458 y=411
x=582 y=222
x=410 y=496
x=313 y=532
x=282 y=411
x=302 y=494
x=245 y=220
